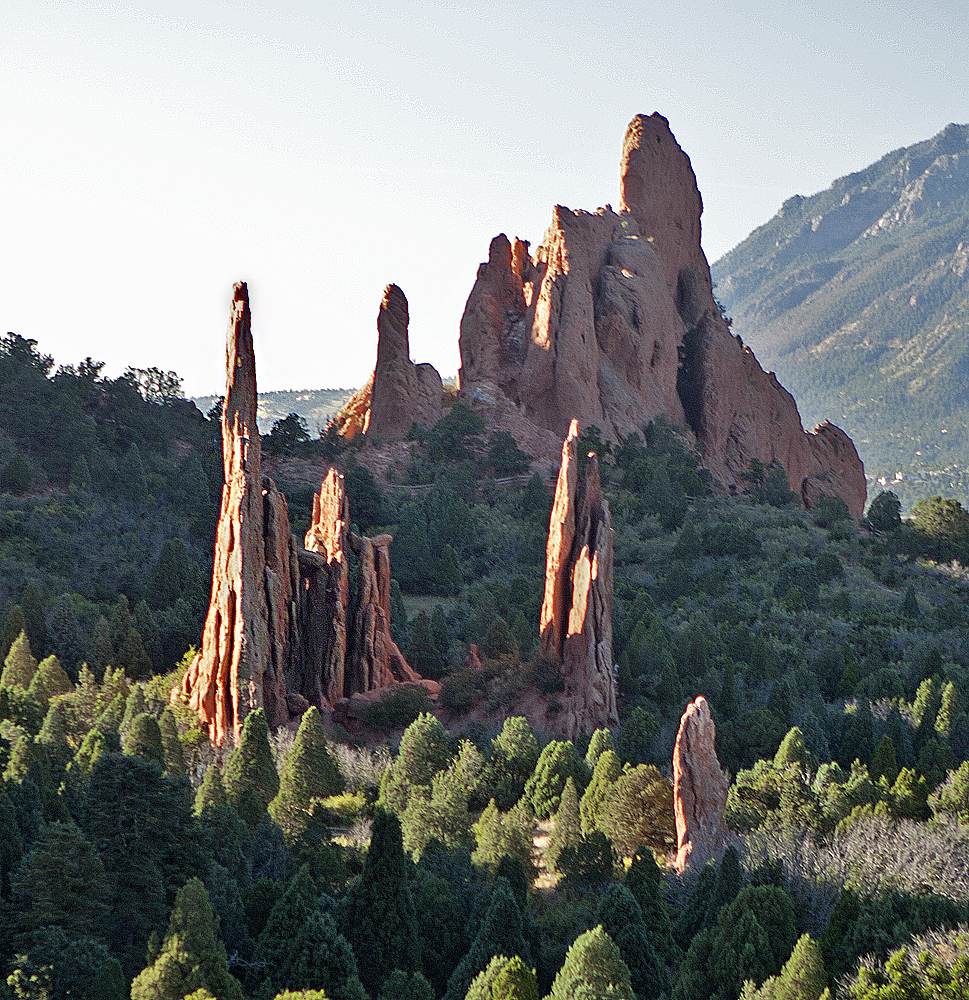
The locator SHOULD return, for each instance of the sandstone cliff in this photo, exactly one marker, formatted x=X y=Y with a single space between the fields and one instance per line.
x=613 y=322
x=699 y=788
x=576 y=622
x=247 y=640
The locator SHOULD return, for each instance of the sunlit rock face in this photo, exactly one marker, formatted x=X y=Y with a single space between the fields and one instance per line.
x=613 y=322
x=576 y=622
x=699 y=789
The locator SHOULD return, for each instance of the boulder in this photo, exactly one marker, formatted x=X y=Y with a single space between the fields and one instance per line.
x=403 y=393
x=613 y=322
x=699 y=789
x=576 y=620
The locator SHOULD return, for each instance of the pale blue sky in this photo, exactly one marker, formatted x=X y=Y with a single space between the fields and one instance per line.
x=151 y=154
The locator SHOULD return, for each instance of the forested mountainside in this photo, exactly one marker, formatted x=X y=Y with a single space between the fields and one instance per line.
x=447 y=849
x=858 y=297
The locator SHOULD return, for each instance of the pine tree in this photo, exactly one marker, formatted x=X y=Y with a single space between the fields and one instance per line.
x=49 y=680
x=638 y=810
x=14 y=624
x=593 y=963
x=249 y=776
x=504 y=979
x=499 y=834
x=947 y=710
x=514 y=754
x=926 y=704
x=424 y=750
x=283 y=925
x=319 y=956
x=309 y=773
x=63 y=884
x=400 y=986
x=15 y=477
x=556 y=764
x=378 y=916
x=952 y=797
x=792 y=751
x=53 y=735
x=884 y=762
x=910 y=604
x=568 y=828
x=622 y=919
x=190 y=957
x=144 y=739
x=171 y=744
x=608 y=769
x=35 y=617
x=211 y=792
x=645 y=881
x=803 y=976
x=600 y=742
x=500 y=933
x=80 y=478
x=135 y=704
x=19 y=666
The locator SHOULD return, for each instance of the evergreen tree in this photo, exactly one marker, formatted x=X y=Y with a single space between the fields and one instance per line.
x=11 y=842
x=645 y=881
x=910 y=604
x=135 y=704
x=608 y=769
x=211 y=792
x=309 y=773
x=287 y=917
x=35 y=617
x=172 y=577
x=400 y=986
x=80 y=480
x=638 y=810
x=450 y=579
x=622 y=919
x=952 y=797
x=498 y=835
x=49 y=680
x=504 y=979
x=13 y=625
x=249 y=775
x=63 y=884
x=424 y=750
x=19 y=666
x=190 y=957
x=144 y=739
x=132 y=478
x=556 y=764
x=15 y=477
x=171 y=744
x=58 y=968
x=884 y=762
x=792 y=751
x=568 y=828
x=378 y=916
x=947 y=710
x=319 y=956
x=500 y=933
x=600 y=742
x=593 y=964
x=514 y=754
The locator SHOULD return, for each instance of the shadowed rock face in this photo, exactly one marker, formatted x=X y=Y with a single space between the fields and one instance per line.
x=576 y=622
x=280 y=633
x=613 y=322
x=699 y=788
x=247 y=640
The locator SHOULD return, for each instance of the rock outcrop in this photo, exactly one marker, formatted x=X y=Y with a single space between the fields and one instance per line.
x=399 y=393
x=281 y=633
x=614 y=322
x=576 y=622
x=699 y=788
x=249 y=632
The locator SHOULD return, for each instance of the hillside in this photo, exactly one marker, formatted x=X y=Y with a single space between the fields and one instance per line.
x=858 y=298
x=315 y=406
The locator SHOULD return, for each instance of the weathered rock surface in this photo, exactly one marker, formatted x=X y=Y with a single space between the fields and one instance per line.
x=403 y=393
x=249 y=631
x=613 y=322
x=280 y=633
x=699 y=788
x=576 y=621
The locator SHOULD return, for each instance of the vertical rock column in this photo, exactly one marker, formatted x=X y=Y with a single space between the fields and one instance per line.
x=699 y=788
x=576 y=622
x=246 y=643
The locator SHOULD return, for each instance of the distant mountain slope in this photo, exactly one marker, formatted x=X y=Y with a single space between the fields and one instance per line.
x=315 y=406
x=858 y=297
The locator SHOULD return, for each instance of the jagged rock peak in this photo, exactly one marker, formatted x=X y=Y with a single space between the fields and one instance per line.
x=246 y=642
x=402 y=392
x=699 y=789
x=576 y=620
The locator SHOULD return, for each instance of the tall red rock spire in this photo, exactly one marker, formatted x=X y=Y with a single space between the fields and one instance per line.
x=576 y=622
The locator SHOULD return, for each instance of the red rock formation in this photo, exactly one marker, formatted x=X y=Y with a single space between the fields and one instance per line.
x=613 y=322
x=576 y=622
x=326 y=593
x=403 y=393
x=699 y=788
x=249 y=630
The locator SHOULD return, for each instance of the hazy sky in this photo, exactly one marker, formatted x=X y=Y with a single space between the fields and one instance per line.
x=151 y=154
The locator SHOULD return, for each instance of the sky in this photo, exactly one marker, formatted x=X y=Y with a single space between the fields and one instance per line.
x=153 y=154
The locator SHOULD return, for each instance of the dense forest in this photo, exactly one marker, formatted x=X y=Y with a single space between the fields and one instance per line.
x=449 y=850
